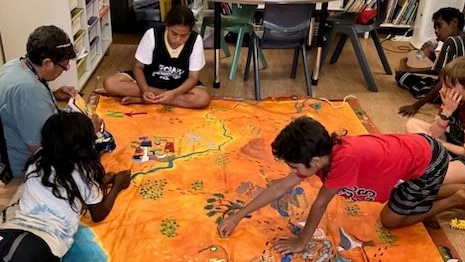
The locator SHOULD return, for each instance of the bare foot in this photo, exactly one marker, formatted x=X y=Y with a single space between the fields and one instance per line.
x=127 y=100
x=402 y=66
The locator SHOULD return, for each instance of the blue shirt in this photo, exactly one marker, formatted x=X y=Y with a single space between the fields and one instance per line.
x=25 y=105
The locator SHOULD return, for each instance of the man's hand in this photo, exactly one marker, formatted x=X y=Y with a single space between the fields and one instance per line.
x=64 y=93
x=286 y=245
x=409 y=110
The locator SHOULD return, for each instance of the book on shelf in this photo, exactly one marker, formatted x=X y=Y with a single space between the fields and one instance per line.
x=390 y=12
x=398 y=12
x=401 y=12
x=410 y=12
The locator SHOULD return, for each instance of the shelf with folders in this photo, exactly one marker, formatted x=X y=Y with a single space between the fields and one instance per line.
x=72 y=17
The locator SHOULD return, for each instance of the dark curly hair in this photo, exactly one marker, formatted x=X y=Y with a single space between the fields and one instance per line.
x=67 y=146
x=449 y=13
x=180 y=15
x=303 y=139
x=51 y=42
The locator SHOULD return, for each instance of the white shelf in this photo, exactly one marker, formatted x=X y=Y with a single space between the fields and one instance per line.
x=71 y=16
x=390 y=25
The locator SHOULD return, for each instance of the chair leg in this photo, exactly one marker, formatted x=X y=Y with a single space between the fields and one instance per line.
x=224 y=46
x=329 y=41
x=237 y=54
x=249 y=56
x=202 y=29
x=338 y=50
x=362 y=61
x=382 y=55
x=262 y=58
x=308 y=81
x=294 y=62
x=256 y=69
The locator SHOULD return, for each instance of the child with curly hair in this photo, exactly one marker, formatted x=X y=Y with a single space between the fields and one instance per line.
x=409 y=171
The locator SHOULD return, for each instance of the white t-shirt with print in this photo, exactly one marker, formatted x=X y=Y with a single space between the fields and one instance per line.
x=144 y=52
x=49 y=217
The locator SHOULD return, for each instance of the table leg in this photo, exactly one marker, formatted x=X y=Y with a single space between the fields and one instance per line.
x=216 y=44
x=320 y=42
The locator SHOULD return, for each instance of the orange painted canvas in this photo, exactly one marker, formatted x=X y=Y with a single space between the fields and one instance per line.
x=190 y=168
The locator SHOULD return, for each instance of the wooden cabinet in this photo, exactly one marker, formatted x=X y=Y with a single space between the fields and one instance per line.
x=87 y=22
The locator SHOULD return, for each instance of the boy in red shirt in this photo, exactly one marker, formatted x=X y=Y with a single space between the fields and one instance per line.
x=406 y=170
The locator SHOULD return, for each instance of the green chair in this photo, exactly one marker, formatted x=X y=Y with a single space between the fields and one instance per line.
x=240 y=21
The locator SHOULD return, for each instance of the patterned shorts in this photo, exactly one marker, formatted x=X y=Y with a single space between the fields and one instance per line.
x=416 y=196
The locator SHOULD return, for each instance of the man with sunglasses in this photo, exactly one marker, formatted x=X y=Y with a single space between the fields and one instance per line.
x=26 y=101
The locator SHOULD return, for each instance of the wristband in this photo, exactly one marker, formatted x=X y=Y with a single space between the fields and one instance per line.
x=444 y=116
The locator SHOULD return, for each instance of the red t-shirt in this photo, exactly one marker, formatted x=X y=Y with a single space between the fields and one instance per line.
x=368 y=167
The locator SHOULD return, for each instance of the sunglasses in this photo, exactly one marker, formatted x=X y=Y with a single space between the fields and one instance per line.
x=65 y=68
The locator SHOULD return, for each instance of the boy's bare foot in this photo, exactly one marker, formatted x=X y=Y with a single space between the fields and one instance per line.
x=403 y=64
x=402 y=67
x=127 y=100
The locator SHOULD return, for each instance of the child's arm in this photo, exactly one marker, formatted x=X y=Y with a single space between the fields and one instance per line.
x=296 y=244
x=101 y=210
x=450 y=102
x=412 y=109
x=271 y=193
x=454 y=149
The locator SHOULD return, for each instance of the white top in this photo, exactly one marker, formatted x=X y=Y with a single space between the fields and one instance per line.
x=49 y=217
x=146 y=45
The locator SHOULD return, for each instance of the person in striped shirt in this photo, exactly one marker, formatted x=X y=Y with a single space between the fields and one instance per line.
x=448 y=26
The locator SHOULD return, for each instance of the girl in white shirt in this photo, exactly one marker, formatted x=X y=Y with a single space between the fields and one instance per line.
x=63 y=178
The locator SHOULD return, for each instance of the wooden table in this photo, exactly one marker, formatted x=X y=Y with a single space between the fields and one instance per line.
x=217 y=32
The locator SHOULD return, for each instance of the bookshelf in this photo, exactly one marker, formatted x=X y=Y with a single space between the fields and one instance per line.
x=401 y=13
x=87 y=22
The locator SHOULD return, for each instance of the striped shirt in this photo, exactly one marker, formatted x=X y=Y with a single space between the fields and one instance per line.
x=453 y=47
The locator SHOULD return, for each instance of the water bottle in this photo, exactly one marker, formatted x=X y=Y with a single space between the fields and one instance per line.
x=420 y=55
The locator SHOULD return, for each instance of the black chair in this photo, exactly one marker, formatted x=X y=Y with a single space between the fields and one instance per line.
x=346 y=24
x=284 y=26
x=5 y=171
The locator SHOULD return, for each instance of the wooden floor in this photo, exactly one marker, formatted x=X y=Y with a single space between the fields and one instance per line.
x=336 y=82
